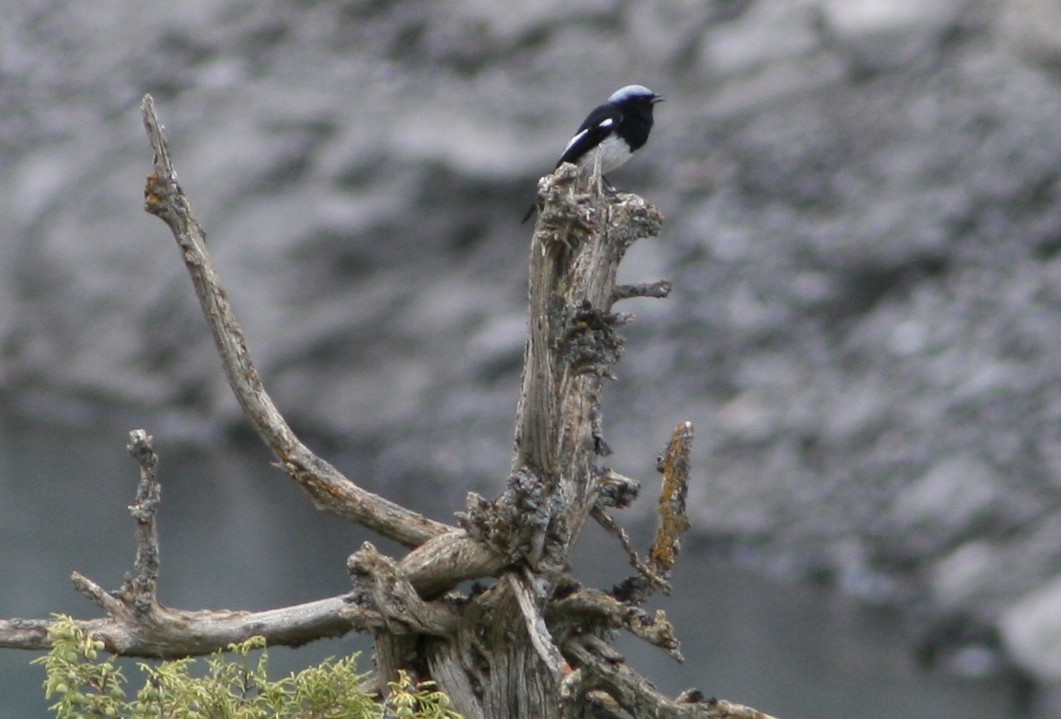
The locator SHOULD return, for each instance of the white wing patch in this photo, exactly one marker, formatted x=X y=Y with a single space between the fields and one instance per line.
x=604 y=124
x=575 y=139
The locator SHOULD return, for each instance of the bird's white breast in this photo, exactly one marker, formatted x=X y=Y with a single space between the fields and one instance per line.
x=613 y=152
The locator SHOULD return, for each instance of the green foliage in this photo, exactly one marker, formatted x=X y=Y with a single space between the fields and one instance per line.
x=89 y=686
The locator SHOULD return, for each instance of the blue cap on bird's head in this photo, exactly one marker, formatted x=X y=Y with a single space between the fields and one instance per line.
x=634 y=92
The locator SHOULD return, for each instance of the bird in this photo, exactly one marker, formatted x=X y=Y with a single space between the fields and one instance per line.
x=614 y=130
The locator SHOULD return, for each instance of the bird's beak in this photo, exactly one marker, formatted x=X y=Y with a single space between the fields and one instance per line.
x=657 y=98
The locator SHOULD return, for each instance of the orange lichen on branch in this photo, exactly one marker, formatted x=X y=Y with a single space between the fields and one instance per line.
x=153 y=197
x=673 y=520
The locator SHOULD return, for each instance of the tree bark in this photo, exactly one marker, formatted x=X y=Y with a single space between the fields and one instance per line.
x=503 y=659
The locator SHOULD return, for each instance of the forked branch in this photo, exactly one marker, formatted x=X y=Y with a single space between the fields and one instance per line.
x=445 y=554
x=137 y=625
x=329 y=488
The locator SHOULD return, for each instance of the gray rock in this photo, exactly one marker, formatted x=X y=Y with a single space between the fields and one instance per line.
x=1031 y=631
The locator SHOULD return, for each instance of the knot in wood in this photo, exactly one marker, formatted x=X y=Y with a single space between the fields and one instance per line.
x=590 y=343
x=513 y=523
x=615 y=490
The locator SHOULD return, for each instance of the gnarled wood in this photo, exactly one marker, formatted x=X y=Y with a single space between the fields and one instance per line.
x=531 y=645
x=329 y=488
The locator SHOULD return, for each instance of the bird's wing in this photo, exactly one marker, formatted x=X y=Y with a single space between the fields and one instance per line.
x=598 y=125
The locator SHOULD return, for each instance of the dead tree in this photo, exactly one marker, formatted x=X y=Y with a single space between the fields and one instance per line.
x=528 y=641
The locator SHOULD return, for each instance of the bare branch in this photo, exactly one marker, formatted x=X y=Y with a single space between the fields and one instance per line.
x=673 y=520
x=390 y=593
x=137 y=625
x=174 y=633
x=140 y=590
x=723 y=709
x=440 y=563
x=521 y=586
x=592 y=609
x=330 y=490
x=604 y=669
x=609 y=524
x=659 y=290
x=110 y=604
x=136 y=601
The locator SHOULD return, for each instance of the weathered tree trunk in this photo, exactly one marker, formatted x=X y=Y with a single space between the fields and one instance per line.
x=503 y=660
x=488 y=667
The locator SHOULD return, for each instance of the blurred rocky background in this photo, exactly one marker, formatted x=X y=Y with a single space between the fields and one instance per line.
x=864 y=235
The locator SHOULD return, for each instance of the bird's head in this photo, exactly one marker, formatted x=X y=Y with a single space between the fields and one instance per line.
x=634 y=94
